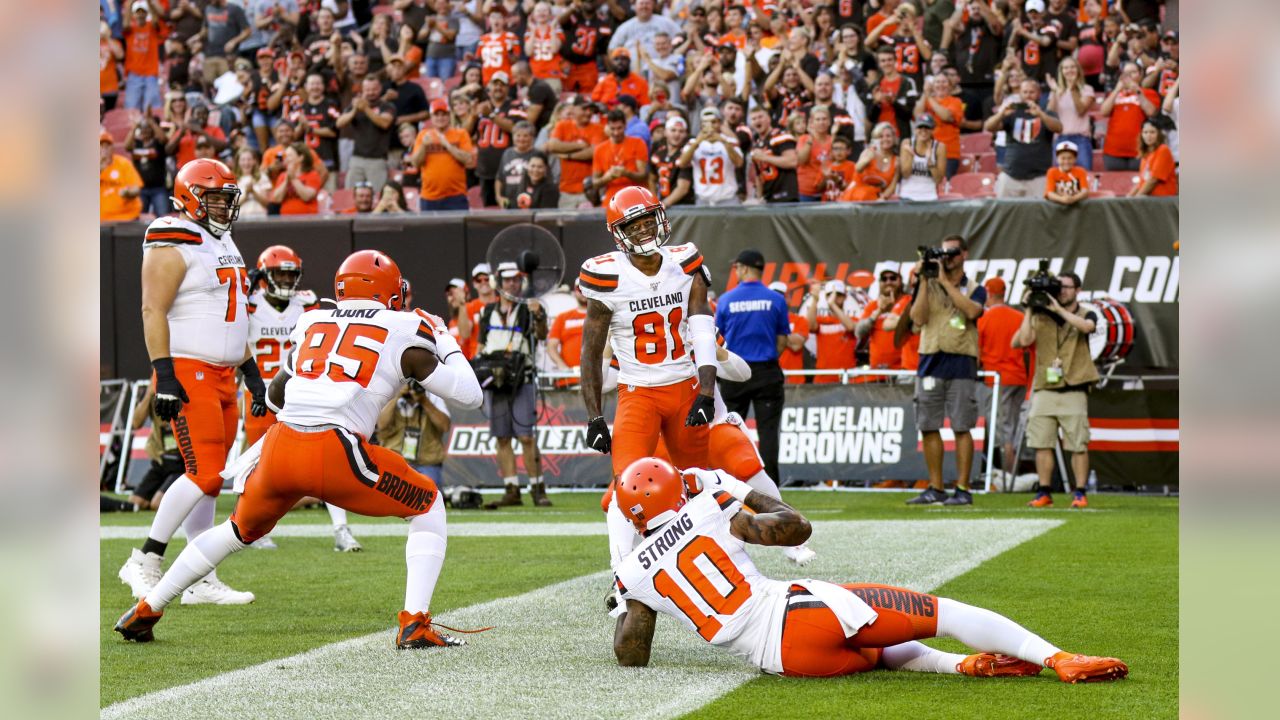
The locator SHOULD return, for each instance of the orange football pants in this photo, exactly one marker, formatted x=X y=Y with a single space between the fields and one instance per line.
x=581 y=78
x=255 y=427
x=649 y=415
x=814 y=645
x=337 y=466
x=206 y=425
x=728 y=448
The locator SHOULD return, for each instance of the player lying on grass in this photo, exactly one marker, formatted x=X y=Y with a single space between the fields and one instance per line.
x=693 y=566
x=349 y=361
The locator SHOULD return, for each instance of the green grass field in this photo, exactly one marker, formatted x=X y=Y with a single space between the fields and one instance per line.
x=1103 y=582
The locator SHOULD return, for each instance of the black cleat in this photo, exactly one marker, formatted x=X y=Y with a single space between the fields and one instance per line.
x=929 y=497
x=961 y=497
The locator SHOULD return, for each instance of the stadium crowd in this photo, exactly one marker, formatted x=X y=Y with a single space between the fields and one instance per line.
x=368 y=106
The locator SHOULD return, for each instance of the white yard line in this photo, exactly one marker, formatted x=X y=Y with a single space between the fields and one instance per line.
x=551 y=654
x=395 y=529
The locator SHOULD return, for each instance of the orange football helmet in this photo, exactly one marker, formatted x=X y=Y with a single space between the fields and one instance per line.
x=371 y=275
x=282 y=269
x=626 y=207
x=650 y=492
x=199 y=182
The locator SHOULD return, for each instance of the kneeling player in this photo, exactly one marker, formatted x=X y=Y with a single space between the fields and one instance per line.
x=347 y=363
x=694 y=567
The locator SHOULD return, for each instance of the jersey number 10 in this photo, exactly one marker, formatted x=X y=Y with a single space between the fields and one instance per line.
x=721 y=604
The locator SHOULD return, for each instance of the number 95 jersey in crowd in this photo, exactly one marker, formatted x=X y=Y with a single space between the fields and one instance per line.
x=208 y=320
x=346 y=363
x=269 y=328
x=648 y=312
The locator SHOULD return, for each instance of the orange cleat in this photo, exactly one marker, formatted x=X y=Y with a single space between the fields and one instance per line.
x=1042 y=500
x=416 y=632
x=1086 y=668
x=1080 y=501
x=137 y=623
x=993 y=665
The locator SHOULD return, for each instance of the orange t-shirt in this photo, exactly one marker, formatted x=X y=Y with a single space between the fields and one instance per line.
x=996 y=329
x=911 y=352
x=631 y=153
x=609 y=88
x=269 y=157
x=737 y=39
x=868 y=184
x=108 y=70
x=442 y=175
x=836 y=347
x=790 y=359
x=810 y=174
x=142 y=50
x=948 y=133
x=573 y=172
x=496 y=51
x=187 y=145
x=1066 y=183
x=544 y=60
x=1159 y=164
x=1125 y=124
x=471 y=344
x=883 y=354
x=118 y=175
x=568 y=330
x=294 y=205
x=874 y=21
x=846 y=171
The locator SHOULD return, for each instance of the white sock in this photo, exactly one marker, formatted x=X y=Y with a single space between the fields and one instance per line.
x=762 y=483
x=622 y=534
x=423 y=557
x=513 y=480
x=196 y=560
x=918 y=657
x=987 y=631
x=200 y=518
x=337 y=515
x=535 y=480
x=176 y=504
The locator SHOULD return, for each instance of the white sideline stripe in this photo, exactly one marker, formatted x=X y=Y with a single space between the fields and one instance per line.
x=459 y=529
x=551 y=656
x=1134 y=434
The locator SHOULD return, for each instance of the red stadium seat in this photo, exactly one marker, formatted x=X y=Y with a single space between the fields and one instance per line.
x=987 y=163
x=453 y=82
x=119 y=123
x=1120 y=183
x=948 y=197
x=341 y=199
x=1101 y=194
x=968 y=164
x=384 y=10
x=433 y=87
x=973 y=184
x=975 y=143
x=474 y=198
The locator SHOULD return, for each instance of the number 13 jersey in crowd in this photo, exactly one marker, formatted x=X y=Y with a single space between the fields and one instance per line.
x=649 y=313
x=346 y=363
x=208 y=320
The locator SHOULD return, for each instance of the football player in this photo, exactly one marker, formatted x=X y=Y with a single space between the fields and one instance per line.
x=645 y=294
x=274 y=307
x=194 y=319
x=693 y=566
x=347 y=363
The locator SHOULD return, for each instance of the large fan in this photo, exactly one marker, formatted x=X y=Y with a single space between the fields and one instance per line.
x=534 y=252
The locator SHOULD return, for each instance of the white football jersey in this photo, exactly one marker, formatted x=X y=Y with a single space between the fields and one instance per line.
x=695 y=570
x=208 y=320
x=269 y=328
x=714 y=176
x=346 y=363
x=649 y=313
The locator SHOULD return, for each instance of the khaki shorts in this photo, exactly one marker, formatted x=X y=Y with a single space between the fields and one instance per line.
x=1053 y=410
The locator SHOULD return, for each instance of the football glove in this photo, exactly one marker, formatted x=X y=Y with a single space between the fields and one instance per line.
x=257 y=276
x=257 y=389
x=170 y=395
x=703 y=410
x=598 y=437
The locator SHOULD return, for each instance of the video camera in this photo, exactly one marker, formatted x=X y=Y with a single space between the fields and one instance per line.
x=933 y=258
x=1044 y=285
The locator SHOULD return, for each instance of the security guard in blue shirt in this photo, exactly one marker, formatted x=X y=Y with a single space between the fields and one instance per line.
x=755 y=325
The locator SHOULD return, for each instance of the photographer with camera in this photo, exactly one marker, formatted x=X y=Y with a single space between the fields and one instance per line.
x=509 y=333
x=414 y=424
x=946 y=307
x=1064 y=374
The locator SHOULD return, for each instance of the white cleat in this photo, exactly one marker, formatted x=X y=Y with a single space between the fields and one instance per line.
x=141 y=572
x=264 y=543
x=801 y=554
x=212 y=591
x=344 y=541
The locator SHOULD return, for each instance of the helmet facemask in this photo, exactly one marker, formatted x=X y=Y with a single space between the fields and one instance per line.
x=220 y=207
x=283 y=280
x=643 y=232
